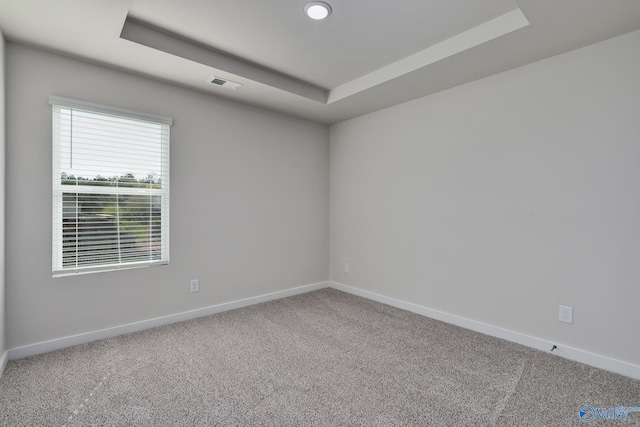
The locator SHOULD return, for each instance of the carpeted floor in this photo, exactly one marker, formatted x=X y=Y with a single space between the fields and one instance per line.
x=322 y=358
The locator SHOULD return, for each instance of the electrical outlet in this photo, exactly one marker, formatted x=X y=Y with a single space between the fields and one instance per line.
x=195 y=285
x=566 y=314
x=346 y=267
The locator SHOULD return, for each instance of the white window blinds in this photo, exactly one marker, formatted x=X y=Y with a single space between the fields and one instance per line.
x=110 y=188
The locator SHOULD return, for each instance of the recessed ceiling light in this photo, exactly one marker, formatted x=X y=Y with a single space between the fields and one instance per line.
x=317 y=10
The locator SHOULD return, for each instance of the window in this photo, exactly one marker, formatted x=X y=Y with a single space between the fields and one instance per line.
x=110 y=188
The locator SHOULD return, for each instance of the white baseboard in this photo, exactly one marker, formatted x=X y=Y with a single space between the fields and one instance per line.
x=582 y=356
x=4 y=358
x=69 y=341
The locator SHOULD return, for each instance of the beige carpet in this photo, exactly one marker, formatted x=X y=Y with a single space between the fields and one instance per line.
x=322 y=358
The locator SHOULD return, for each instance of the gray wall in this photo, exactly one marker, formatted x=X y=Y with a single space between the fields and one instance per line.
x=3 y=345
x=501 y=199
x=496 y=201
x=249 y=202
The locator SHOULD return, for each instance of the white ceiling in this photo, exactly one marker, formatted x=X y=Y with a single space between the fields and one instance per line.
x=366 y=56
x=360 y=36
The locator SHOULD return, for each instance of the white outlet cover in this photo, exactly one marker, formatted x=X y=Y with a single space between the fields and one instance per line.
x=195 y=285
x=566 y=314
x=346 y=267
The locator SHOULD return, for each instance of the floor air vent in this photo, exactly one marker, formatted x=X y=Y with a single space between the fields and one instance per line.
x=227 y=84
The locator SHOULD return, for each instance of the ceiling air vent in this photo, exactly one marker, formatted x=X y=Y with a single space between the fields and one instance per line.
x=227 y=84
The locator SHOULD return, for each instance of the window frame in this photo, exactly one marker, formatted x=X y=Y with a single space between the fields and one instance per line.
x=59 y=190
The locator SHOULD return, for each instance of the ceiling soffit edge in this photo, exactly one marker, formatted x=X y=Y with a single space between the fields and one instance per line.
x=148 y=35
x=156 y=38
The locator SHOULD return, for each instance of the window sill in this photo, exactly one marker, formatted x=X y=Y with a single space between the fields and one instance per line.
x=103 y=268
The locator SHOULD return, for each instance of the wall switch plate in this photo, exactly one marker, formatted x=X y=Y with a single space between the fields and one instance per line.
x=566 y=314
x=346 y=267
x=195 y=285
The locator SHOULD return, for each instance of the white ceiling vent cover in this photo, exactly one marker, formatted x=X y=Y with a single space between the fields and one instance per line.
x=227 y=84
